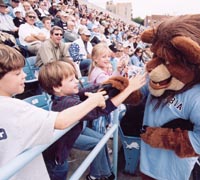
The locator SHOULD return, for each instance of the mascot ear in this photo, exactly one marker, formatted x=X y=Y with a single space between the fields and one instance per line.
x=188 y=47
x=148 y=35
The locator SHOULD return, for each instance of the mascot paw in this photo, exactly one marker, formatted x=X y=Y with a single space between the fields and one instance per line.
x=155 y=136
x=116 y=84
x=176 y=140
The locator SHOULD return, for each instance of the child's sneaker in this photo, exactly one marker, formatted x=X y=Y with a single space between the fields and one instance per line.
x=88 y=177
x=111 y=177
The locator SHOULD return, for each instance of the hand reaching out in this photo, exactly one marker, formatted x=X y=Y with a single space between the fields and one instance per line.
x=98 y=98
x=137 y=81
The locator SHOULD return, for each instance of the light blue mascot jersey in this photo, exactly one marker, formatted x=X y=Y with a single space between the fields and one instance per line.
x=165 y=164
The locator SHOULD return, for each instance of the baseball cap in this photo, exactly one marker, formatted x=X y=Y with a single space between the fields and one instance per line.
x=85 y=31
x=17 y=9
x=113 y=48
x=94 y=26
x=2 y=4
x=126 y=44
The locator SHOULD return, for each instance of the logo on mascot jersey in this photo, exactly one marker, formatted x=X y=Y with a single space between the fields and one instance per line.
x=3 y=134
x=176 y=104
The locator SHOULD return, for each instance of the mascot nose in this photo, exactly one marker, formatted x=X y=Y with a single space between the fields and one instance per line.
x=149 y=69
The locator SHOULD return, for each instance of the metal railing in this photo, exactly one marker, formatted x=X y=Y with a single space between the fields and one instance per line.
x=20 y=161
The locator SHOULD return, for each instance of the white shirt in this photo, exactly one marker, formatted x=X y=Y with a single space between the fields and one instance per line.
x=24 y=127
x=82 y=47
x=6 y=23
x=26 y=30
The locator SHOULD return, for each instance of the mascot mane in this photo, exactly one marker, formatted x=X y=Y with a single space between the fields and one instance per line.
x=175 y=43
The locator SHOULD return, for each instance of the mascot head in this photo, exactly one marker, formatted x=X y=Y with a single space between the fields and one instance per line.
x=175 y=65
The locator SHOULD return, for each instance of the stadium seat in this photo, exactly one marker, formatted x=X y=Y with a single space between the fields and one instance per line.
x=30 y=69
x=41 y=101
x=84 y=81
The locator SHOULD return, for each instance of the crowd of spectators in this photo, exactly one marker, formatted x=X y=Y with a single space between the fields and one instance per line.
x=68 y=31
x=30 y=23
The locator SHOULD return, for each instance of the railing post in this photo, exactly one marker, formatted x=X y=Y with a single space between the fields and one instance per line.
x=84 y=165
x=115 y=143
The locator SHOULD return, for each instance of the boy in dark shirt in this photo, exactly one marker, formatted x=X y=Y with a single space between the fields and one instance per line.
x=58 y=78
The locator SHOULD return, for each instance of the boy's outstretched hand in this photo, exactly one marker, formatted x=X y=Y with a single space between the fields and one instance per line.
x=136 y=82
x=98 y=98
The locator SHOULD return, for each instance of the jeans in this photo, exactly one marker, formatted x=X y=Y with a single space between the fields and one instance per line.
x=56 y=155
x=57 y=171
x=196 y=171
x=87 y=140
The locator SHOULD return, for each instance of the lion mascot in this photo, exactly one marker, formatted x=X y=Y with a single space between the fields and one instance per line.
x=172 y=93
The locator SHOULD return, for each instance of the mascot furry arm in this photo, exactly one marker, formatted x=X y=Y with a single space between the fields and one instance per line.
x=171 y=139
x=175 y=44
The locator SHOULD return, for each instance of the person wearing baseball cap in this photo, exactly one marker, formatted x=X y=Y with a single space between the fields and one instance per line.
x=11 y=5
x=80 y=50
x=2 y=4
x=18 y=20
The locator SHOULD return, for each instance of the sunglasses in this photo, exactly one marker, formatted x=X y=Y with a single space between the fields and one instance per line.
x=58 y=34
x=32 y=17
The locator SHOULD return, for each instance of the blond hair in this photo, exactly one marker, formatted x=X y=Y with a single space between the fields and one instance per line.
x=97 y=50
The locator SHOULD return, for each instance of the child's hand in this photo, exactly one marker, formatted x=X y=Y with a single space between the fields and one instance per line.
x=98 y=98
x=137 y=81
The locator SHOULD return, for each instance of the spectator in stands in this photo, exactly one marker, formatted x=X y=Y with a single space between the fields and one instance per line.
x=26 y=7
x=42 y=11
x=13 y=4
x=33 y=3
x=53 y=48
x=99 y=73
x=65 y=91
x=80 y=51
x=6 y=21
x=100 y=60
x=53 y=9
x=83 y=23
x=113 y=56
x=57 y=18
x=95 y=35
x=63 y=20
x=128 y=51
x=27 y=126
x=70 y=34
x=30 y=35
x=46 y=21
x=18 y=20
x=129 y=42
x=147 y=53
x=113 y=36
x=137 y=58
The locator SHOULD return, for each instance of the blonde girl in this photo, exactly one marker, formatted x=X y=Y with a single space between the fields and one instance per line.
x=100 y=63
